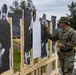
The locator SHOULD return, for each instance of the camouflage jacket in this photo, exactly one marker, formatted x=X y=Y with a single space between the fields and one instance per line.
x=66 y=37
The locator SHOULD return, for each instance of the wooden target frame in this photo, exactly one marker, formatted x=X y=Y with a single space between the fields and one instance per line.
x=35 y=69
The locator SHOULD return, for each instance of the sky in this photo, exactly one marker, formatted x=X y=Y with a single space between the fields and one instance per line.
x=56 y=8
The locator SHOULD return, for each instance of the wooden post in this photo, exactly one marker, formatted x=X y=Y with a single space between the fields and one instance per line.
x=47 y=69
x=32 y=73
x=26 y=69
x=39 y=61
x=56 y=63
x=22 y=45
x=50 y=40
x=51 y=46
x=37 y=72
x=47 y=66
x=23 y=65
x=32 y=61
x=40 y=71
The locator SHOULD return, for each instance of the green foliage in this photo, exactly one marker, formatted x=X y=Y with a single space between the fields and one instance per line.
x=15 y=3
x=17 y=7
x=14 y=6
x=72 y=16
x=18 y=11
x=73 y=23
x=23 y=5
x=72 y=9
x=17 y=58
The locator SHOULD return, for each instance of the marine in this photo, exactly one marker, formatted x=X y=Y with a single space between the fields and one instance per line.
x=67 y=40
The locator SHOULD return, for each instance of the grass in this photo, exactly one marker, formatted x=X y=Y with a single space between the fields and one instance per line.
x=16 y=58
x=36 y=60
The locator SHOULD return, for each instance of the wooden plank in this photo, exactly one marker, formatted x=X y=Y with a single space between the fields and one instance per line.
x=36 y=71
x=46 y=62
x=22 y=43
x=22 y=47
x=50 y=52
x=50 y=46
x=9 y=72
x=47 y=69
x=23 y=65
x=18 y=73
x=50 y=67
x=32 y=60
x=50 y=40
x=33 y=73
x=40 y=71
x=56 y=62
x=26 y=69
x=44 y=59
x=31 y=69
x=54 y=72
x=39 y=65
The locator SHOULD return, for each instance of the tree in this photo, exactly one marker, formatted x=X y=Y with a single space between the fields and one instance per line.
x=23 y=4
x=16 y=3
x=16 y=7
x=72 y=16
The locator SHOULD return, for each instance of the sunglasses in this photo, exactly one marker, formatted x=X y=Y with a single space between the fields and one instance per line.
x=60 y=22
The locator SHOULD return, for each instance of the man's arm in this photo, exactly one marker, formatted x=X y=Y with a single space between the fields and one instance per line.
x=72 y=43
x=51 y=37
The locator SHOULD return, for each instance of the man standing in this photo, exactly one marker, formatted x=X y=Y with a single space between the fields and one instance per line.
x=67 y=40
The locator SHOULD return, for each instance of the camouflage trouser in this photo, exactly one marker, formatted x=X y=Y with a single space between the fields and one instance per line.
x=66 y=61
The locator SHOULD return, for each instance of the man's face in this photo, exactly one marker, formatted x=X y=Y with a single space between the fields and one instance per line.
x=61 y=24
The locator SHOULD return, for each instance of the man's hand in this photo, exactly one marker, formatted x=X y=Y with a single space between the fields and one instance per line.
x=60 y=45
x=46 y=29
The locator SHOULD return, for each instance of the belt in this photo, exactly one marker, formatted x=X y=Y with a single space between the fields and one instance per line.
x=66 y=50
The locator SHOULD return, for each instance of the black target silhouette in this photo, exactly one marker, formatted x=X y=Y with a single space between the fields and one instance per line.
x=5 y=41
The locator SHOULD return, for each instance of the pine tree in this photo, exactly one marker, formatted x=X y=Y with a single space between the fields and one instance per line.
x=23 y=4
x=72 y=16
x=16 y=7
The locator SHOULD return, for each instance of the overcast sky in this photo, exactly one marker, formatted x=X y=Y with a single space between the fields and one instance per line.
x=49 y=7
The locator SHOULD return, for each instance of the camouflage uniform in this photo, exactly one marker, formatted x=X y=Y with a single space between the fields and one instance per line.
x=66 y=54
